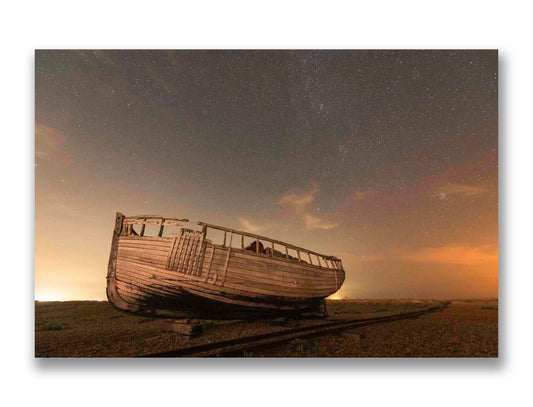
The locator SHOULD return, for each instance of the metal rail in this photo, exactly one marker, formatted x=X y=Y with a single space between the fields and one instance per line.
x=237 y=347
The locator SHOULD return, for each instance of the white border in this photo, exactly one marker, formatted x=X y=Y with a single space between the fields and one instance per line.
x=275 y=24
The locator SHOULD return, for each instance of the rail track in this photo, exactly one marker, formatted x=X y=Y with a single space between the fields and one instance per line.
x=239 y=346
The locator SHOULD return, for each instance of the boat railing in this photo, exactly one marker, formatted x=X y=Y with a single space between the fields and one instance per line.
x=321 y=260
x=327 y=261
x=144 y=220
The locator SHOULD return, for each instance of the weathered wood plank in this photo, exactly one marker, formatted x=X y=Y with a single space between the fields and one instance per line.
x=242 y=287
x=155 y=217
x=227 y=260
x=237 y=265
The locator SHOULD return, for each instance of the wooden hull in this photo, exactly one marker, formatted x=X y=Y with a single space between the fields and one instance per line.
x=188 y=276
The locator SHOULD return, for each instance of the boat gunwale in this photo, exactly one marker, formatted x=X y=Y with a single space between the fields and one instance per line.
x=127 y=218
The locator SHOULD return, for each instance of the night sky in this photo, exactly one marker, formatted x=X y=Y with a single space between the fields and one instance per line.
x=386 y=159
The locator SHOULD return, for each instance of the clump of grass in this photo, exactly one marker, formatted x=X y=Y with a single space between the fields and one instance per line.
x=208 y=324
x=51 y=326
x=301 y=345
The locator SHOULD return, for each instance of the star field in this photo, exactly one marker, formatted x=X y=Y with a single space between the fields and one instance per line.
x=378 y=156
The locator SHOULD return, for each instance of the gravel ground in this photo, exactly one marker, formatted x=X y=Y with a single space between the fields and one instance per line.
x=96 y=329
x=465 y=329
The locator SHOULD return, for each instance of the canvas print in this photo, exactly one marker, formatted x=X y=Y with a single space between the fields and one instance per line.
x=266 y=203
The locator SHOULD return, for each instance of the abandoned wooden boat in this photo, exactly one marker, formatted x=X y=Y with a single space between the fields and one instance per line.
x=186 y=274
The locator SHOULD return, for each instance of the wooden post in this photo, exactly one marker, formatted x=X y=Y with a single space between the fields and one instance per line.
x=224 y=244
x=142 y=228
x=299 y=258
x=161 y=228
x=227 y=259
x=309 y=255
x=242 y=241
x=272 y=254
x=286 y=252
x=257 y=245
x=209 y=266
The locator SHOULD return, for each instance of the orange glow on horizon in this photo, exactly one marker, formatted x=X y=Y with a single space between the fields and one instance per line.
x=470 y=256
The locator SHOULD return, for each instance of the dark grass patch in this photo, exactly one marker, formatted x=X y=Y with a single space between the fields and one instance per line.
x=208 y=324
x=145 y=320
x=52 y=326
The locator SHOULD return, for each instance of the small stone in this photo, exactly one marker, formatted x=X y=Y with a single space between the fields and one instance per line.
x=352 y=335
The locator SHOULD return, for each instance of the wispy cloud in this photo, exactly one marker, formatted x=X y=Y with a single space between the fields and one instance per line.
x=461 y=189
x=314 y=222
x=373 y=199
x=465 y=255
x=471 y=180
x=48 y=146
x=249 y=226
x=301 y=205
x=300 y=200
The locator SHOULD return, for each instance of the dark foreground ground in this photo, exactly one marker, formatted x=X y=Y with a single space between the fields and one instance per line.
x=468 y=328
